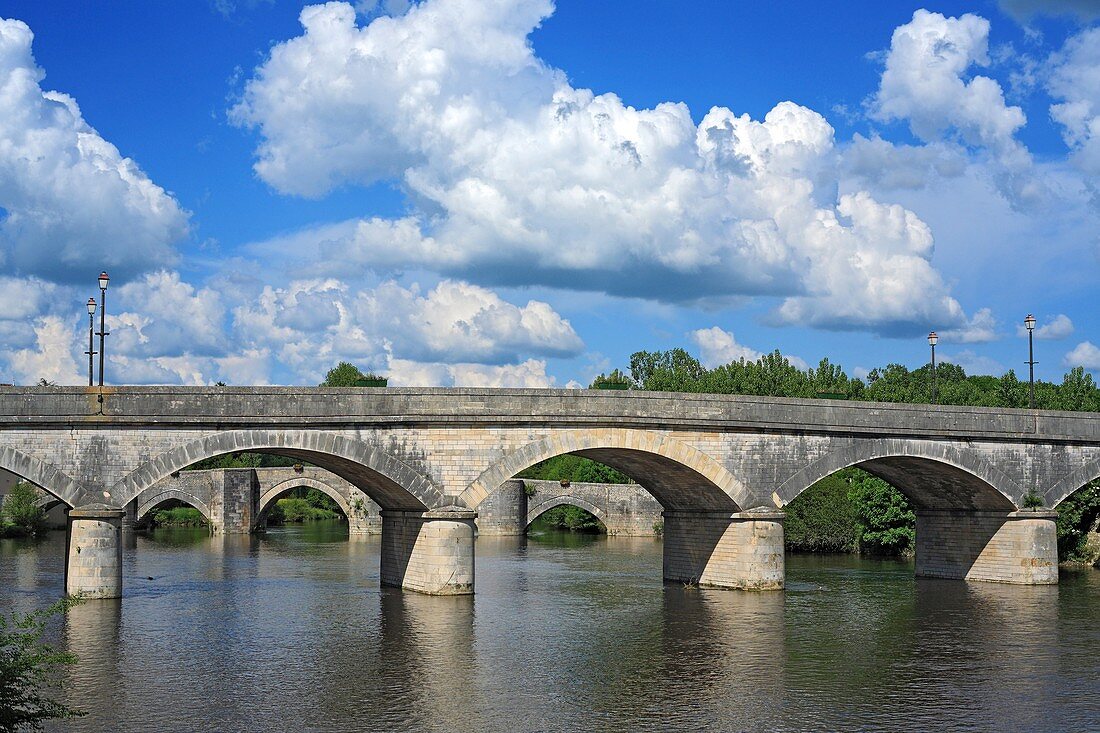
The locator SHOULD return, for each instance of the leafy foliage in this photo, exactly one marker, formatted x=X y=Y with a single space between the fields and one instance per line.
x=20 y=514
x=346 y=374
x=823 y=518
x=572 y=518
x=29 y=668
x=887 y=523
x=1077 y=514
x=616 y=379
x=177 y=516
x=243 y=460
x=569 y=467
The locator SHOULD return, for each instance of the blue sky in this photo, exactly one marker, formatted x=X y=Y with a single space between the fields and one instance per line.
x=525 y=192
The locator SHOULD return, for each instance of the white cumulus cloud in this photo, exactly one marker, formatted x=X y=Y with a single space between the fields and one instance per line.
x=516 y=177
x=1084 y=354
x=1075 y=79
x=1058 y=327
x=70 y=203
x=718 y=346
x=927 y=83
x=453 y=323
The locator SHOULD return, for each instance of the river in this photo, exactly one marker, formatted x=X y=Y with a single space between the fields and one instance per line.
x=291 y=632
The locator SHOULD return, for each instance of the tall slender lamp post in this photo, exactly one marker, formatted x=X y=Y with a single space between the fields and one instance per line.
x=91 y=352
x=103 y=280
x=932 y=339
x=1029 y=323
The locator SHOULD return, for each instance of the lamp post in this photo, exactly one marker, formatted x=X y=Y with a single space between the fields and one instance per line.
x=91 y=352
x=1029 y=323
x=103 y=280
x=932 y=339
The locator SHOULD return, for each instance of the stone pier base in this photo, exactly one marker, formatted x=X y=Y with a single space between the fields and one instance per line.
x=721 y=550
x=429 y=552
x=504 y=512
x=93 y=565
x=1001 y=547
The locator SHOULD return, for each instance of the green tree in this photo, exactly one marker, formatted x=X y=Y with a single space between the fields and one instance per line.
x=20 y=512
x=670 y=371
x=344 y=374
x=568 y=467
x=29 y=668
x=1077 y=514
x=616 y=379
x=822 y=518
x=885 y=518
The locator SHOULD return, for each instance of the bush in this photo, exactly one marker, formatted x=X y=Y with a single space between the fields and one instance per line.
x=887 y=523
x=575 y=469
x=823 y=518
x=177 y=516
x=20 y=514
x=572 y=518
x=1077 y=514
x=28 y=668
x=293 y=510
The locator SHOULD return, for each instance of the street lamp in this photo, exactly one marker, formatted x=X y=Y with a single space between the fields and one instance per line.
x=103 y=280
x=932 y=339
x=91 y=344
x=1029 y=323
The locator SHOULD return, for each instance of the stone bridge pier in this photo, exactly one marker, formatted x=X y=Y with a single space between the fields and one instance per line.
x=424 y=465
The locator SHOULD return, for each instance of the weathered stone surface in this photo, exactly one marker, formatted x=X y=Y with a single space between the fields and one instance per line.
x=1002 y=547
x=93 y=566
x=418 y=450
x=429 y=552
x=742 y=551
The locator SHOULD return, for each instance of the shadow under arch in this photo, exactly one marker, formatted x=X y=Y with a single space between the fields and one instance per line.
x=150 y=500
x=1072 y=483
x=538 y=510
x=679 y=476
x=46 y=477
x=273 y=493
x=387 y=480
x=930 y=476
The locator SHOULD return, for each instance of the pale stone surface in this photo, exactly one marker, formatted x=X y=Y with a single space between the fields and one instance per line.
x=93 y=566
x=429 y=552
x=419 y=450
x=1002 y=547
x=741 y=551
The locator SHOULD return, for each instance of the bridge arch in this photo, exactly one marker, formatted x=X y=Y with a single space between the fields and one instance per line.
x=151 y=499
x=932 y=476
x=538 y=510
x=678 y=475
x=47 y=477
x=390 y=482
x=1070 y=483
x=268 y=497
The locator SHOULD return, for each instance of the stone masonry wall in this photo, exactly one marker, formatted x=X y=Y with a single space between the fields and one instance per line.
x=1016 y=547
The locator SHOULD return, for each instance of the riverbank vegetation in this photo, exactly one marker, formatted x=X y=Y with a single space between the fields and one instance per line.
x=30 y=669
x=304 y=505
x=570 y=518
x=20 y=515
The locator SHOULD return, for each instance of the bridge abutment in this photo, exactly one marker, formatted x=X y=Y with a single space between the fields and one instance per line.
x=429 y=552
x=1002 y=547
x=721 y=550
x=93 y=563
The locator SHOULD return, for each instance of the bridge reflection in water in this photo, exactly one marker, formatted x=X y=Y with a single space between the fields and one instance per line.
x=292 y=632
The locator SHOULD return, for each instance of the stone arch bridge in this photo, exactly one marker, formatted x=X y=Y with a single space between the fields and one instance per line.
x=721 y=466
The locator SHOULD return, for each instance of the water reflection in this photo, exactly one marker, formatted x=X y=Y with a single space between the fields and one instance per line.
x=291 y=631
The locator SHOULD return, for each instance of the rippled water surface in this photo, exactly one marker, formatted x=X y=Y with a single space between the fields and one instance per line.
x=291 y=632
